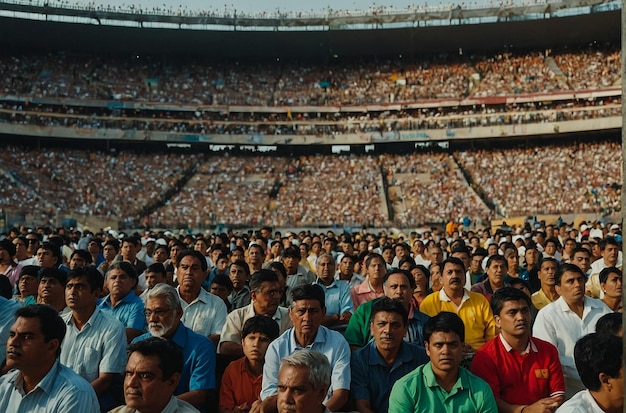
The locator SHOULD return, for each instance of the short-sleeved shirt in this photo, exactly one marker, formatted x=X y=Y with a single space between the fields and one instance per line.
x=358 y=331
x=581 y=402
x=373 y=378
x=540 y=299
x=419 y=392
x=205 y=315
x=173 y=406
x=129 y=310
x=474 y=310
x=239 y=386
x=60 y=390
x=239 y=299
x=99 y=347
x=557 y=324
x=235 y=320
x=295 y=280
x=363 y=293
x=338 y=300
x=199 y=356
x=328 y=342
x=520 y=378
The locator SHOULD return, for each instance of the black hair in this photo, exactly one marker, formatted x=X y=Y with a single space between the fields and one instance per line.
x=389 y=305
x=507 y=294
x=32 y=270
x=170 y=355
x=444 y=322
x=54 y=249
x=242 y=264
x=372 y=257
x=405 y=260
x=604 y=274
x=308 y=292
x=51 y=324
x=291 y=252
x=406 y=273
x=610 y=323
x=157 y=267
x=127 y=267
x=82 y=254
x=93 y=277
x=495 y=258
x=224 y=281
x=164 y=247
x=55 y=273
x=114 y=243
x=480 y=252
x=607 y=241
x=261 y=276
x=566 y=268
x=598 y=353
x=454 y=261
x=261 y=324
x=196 y=254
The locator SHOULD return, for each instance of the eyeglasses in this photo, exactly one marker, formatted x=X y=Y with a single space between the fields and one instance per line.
x=271 y=292
x=159 y=312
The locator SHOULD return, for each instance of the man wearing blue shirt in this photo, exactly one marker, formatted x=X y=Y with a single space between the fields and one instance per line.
x=164 y=313
x=39 y=383
x=337 y=293
x=122 y=301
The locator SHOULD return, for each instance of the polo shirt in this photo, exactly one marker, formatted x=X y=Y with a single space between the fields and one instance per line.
x=419 y=392
x=199 y=359
x=173 y=406
x=560 y=326
x=540 y=299
x=60 y=390
x=233 y=327
x=129 y=310
x=338 y=300
x=205 y=315
x=239 y=386
x=328 y=342
x=99 y=347
x=520 y=378
x=474 y=310
x=485 y=288
x=373 y=378
x=581 y=402
x=358 y=330
x=363 y=293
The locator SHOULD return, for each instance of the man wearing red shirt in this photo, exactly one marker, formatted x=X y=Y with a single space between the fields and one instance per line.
x=524 y=372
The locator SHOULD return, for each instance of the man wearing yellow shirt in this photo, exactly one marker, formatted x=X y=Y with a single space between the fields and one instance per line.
x=547 y=293
x=472 y=308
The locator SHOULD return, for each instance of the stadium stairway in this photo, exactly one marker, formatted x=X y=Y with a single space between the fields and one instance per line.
x=456 y=165
x=555 y=68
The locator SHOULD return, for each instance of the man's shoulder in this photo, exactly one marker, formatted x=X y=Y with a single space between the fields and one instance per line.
x=66 y=377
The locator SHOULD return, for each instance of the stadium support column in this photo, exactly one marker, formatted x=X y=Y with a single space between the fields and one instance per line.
x=623 y=161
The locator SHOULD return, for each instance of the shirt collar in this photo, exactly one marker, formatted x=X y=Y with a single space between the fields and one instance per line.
x=444 y=297
x=46 y=384
x=180 y=337
x=320 y=337
x=530 y=346
x=333 y=284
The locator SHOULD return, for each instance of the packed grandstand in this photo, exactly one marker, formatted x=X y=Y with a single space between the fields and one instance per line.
x=440 y=103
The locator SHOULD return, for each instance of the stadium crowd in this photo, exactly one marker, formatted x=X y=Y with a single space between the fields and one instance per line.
x=377 y=306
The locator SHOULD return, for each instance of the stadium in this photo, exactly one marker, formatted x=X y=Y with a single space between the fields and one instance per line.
x=381 y=118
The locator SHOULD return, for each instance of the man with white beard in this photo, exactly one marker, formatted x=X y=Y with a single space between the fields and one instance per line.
x=163 y=314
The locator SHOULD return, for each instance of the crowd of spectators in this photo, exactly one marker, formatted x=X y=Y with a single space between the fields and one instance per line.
x=592 y=68
x=550 y=180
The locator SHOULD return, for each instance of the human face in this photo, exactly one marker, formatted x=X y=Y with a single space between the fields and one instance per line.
x=128 y=251
x=50 y=290
x=267 y=299
x=572 y=287
x=398 y=288
x=200 y=245
x=306 y=316
x=376 y=269
x=613 y=286
x=514 y=319
x=496 y=272
x=276 y=248
x=550 y=248
x=255 y=256
x=445 y=351
x=346 y=268
x=435 y=278
x=476 y=264
x=222 y=263
x=531 y=256
x=237 y=256
x=162 y=320
x=296 y=394
x=153 y=278
x=436 y=254
x=145 y=389
x=570 y=245
x=119 y=283
x=77 y=262
x=109 y=253
x=190 y=274
x=26 y=348
x=546 y=273
x=326 y=269
x=610 y=254
x=291 y=264
x=93 y=248
x=421 y=282
x=219 y=290
x=33 y=244
x=400 y=252
x=582 y=261
x=453 y=279
x=463 y=257
x=174 y=251
x=28 y=285
x=21 y=250
x=78 y=294
x=46 y=259
x=388 y=255
x=388 y=330
x=237 y=276
x=254 y=346
x=160 y=255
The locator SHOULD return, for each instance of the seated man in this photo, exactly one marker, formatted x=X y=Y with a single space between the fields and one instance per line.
x=164 y=313
x=509 y=363
x=239 y=274
x=152 y=374
x=398 y=285
x=265 y=292
x=378 y=365
x=51 y=290
x=39 y=383
x=242 y=380
x=442 y=385
x=303 y=382
x=599 y=361
x=122 y=301
x=307 y=312
x=338 y=300
x=155 y=274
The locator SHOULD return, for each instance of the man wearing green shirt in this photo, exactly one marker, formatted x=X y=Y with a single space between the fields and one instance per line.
x=442 y=385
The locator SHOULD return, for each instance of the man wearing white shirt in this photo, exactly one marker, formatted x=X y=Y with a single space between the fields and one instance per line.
x=610 y=258
x=567 y=319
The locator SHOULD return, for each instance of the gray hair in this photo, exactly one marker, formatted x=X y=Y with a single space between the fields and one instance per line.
x=329 y=256
x=167 y=291
x=317 y=363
